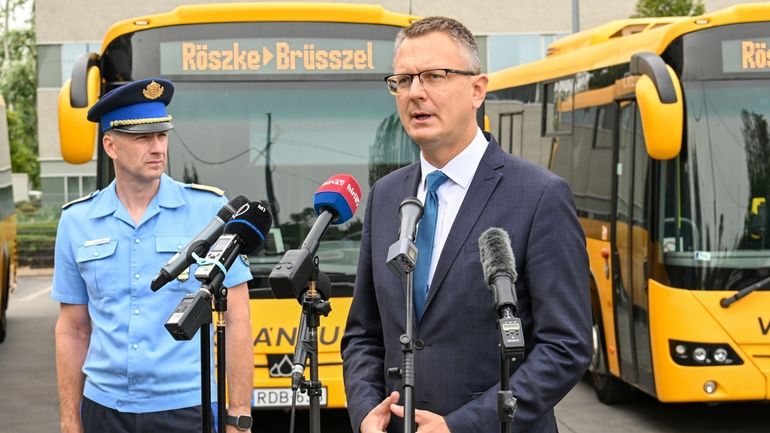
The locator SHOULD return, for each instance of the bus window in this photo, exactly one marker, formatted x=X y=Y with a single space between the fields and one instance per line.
x=558 y=103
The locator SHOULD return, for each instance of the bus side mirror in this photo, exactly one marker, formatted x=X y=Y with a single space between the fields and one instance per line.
x=659 y=96
x=77 y=136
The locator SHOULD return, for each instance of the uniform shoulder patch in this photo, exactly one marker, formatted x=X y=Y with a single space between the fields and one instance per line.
x=208 y=188
x=81 y=199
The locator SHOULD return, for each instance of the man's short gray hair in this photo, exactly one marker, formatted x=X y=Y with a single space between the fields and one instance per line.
x=452 y=28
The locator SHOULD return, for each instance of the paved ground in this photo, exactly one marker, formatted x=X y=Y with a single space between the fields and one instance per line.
x=28 y=401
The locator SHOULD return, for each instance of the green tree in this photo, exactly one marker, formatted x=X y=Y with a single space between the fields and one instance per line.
x=18 y=88
x=668 y=8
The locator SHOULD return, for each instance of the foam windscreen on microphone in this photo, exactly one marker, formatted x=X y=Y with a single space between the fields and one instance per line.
x=231 y=207
x=496 y=255
x=251 y=223
x=341 y=195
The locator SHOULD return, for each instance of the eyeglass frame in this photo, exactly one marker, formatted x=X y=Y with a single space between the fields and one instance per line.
x=411 y=77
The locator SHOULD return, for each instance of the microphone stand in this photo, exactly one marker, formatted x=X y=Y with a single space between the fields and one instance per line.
x=406 y=372
x=192 y=314
x=403 y=265
x=205 y=338
x=511 y=348
x=220 y=306
x=313 y=306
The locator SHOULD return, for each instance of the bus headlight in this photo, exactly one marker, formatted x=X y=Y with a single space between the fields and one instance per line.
x=720 y=355
x=699 y=355
x=693 y=353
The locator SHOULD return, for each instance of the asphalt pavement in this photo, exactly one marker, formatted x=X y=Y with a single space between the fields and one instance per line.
x=29 y=403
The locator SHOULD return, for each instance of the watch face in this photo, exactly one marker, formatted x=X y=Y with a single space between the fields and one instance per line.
x=244 y=422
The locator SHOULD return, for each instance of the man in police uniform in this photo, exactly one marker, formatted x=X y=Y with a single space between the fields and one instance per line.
x=118 y=369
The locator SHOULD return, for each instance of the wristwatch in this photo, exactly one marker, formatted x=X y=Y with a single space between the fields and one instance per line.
x=241 y=422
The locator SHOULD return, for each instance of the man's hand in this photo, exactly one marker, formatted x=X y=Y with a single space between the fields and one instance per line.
x=427 y=422
x=378 y=418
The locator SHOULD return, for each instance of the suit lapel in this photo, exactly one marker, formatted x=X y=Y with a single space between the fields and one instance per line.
x=411 y=181
x=479 y=192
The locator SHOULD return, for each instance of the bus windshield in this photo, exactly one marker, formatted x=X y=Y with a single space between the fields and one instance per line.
x=270 y=110
x=716 y=229
x=278 y=143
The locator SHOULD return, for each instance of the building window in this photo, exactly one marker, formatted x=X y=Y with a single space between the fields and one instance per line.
x=73 y=188
x=504 y=51
x=53 y=190
x=54 y=62
x=60 y=190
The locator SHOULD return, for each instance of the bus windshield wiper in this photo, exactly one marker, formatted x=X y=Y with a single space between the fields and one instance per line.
x=726 y=302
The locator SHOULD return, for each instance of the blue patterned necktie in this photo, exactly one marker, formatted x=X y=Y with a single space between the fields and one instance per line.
x=424 y=241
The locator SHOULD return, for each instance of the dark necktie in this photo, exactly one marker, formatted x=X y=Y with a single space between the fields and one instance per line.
x=426 y=232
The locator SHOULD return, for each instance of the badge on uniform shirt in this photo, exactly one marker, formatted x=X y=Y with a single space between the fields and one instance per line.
x=94 y=242
x=185 y=275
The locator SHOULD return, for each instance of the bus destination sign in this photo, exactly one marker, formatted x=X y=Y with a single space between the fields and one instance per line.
x=275 y=56
x=746 y=55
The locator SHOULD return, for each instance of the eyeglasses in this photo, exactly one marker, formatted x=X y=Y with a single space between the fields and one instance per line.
x=432 y=79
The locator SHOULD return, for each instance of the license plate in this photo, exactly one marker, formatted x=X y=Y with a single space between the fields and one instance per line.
x=281 y=397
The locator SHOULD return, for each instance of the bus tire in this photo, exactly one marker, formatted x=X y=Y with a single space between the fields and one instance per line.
x=609 y=389
x=6 y=293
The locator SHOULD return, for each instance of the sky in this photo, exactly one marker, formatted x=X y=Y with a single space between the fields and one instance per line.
x=21 y=15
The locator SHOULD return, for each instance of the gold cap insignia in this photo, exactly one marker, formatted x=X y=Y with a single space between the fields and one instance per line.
x=153 y=91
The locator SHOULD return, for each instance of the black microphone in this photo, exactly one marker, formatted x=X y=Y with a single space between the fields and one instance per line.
x=402 y=255
x=198 y=245
x=499 y=268
x=324 y=288
x=335 y=202
x=243 y=234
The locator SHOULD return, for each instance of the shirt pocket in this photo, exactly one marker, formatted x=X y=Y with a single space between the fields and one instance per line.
x=98 y=267
x=167 y=247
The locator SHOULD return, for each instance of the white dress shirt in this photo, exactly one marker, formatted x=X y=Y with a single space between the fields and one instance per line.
x=460 y=171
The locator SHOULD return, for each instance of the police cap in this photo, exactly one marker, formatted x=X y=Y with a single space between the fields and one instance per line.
x=138 y=107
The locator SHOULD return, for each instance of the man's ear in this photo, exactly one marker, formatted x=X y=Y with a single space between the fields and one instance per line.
x=479 y=89
x=109 y=143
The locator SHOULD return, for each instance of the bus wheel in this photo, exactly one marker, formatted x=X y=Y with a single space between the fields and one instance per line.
x=609 y=389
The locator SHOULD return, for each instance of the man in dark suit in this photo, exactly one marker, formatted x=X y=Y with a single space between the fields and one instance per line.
x=467 y=184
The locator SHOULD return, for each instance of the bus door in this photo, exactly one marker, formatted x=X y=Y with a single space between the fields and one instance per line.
x=630 y=245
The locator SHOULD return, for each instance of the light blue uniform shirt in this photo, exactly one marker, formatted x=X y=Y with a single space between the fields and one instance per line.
x=105 y=260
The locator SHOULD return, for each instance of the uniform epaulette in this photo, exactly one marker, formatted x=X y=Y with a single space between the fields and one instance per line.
x=208 y=188
x=81 y=199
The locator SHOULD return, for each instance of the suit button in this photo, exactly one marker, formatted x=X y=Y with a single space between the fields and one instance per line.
x=419 y=344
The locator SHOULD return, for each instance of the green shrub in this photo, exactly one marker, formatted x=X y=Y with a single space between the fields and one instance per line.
x=36 y=228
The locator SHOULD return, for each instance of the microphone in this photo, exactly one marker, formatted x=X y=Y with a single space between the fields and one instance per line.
x=499 y=268
x=335 y=202
x=198 y=245
x=402 y=255
x=243 y=234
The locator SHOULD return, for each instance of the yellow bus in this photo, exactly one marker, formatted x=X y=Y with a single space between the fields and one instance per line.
x=271 y=100
x=8 y=245
x=661 y=128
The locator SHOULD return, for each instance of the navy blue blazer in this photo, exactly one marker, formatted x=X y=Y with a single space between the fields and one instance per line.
x=457 y=362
